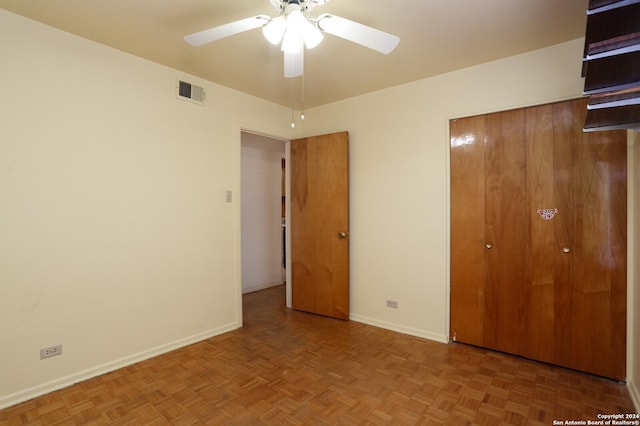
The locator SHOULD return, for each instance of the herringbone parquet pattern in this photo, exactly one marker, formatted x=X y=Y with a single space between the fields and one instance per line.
x=291 y=368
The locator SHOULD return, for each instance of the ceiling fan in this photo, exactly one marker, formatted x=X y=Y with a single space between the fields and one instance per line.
x=296 y=28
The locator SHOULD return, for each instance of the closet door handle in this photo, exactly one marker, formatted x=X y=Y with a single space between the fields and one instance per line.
x=566 y=250
x=488 y=245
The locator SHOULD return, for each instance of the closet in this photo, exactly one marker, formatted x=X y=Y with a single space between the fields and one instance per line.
x=538 y=237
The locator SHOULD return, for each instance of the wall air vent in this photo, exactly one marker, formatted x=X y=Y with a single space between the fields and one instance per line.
x=191 y=92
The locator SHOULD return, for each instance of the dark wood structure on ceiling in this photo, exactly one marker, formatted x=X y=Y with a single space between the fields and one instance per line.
x=611 y=65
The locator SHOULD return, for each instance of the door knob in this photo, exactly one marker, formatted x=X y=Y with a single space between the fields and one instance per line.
x=566 y=250
x=488 y=245
x=342 y=235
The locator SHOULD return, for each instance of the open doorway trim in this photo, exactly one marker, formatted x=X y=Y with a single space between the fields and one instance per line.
x=237 y=211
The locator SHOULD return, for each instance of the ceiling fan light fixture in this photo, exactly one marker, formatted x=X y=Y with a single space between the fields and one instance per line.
x=296 y=22
x=293 y=36
x=274 y=30
x=291 y=42
x=311 y=35
x=298 y=30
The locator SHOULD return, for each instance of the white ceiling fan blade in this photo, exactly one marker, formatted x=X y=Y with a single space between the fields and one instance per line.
x=294 y=63
x=226 y=30
x=277 y=4
x=358 y=33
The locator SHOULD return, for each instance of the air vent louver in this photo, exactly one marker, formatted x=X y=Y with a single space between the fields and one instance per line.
x=191 y=92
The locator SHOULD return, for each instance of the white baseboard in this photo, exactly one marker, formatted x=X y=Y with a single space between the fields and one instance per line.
x=635 y=395
x=63 y=382
x=400 y=328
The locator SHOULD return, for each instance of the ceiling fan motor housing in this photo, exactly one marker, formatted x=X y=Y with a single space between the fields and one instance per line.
x=304 y=4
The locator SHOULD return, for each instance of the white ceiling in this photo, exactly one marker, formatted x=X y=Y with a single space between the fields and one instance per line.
x=436 y=36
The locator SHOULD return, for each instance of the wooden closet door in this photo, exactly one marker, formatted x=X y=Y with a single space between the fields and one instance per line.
x=596 y=302
x=505 y=222
x=468 y=265
x=550 y=201
x=576 y=259
x=549 y=207
x=487 y=223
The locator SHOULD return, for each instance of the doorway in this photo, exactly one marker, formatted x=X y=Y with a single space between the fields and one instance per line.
x=263 y=212
x=323 y=159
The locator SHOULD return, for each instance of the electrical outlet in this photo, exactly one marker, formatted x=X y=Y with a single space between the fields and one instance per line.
x=392 y=304
x=50 y=351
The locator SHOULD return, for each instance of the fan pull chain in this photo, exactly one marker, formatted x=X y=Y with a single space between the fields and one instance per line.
x=293 y=123
x=302 y=97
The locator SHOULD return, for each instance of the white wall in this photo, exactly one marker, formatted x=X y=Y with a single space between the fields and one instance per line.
x=115 y=237
x=261 y=213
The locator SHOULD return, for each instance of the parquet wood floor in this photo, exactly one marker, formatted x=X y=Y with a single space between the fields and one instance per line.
x=292 y=368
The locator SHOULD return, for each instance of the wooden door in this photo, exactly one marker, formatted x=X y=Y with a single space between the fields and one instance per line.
x=504 y=225
x=596 y=301
x=576 y=295
x=550 y=211
x=569 y=304
x=468 y=265
x=320 y=224
x=487 y=223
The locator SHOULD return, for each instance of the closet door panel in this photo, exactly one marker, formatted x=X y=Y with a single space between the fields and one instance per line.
x=566 y=137
x=504 y=224
x=548 y=207
x=597 y=309
x=468 y=271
